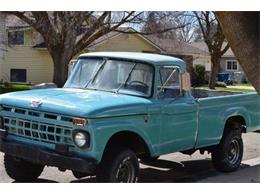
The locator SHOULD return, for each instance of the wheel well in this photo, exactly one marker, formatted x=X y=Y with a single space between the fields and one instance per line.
x=129 y=140
x=235 y=122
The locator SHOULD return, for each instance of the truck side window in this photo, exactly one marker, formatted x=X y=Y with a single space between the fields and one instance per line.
x=169 y=86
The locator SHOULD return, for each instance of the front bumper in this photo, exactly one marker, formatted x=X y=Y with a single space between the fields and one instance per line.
x=46 y=157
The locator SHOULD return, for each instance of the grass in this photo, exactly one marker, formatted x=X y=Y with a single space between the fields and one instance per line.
x=226 y=89
x=13 y=87
x=243 y=84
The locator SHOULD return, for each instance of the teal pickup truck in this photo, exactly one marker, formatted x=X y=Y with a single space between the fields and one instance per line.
x=116 y=108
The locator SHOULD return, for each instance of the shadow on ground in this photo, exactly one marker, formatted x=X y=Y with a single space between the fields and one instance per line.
x=164 y=171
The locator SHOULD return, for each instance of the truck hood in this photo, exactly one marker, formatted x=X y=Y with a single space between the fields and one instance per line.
x=78 y=102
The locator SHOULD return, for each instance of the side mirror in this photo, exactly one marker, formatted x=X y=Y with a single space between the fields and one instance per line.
x=185 y=81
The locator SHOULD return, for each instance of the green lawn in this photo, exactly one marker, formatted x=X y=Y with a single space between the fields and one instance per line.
x=13 y=87
x=227 y=89
x=243 y=84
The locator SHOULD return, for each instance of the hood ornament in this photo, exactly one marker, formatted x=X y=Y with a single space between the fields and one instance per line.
x=35 y=103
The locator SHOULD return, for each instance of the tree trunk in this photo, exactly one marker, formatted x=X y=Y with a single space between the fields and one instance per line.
x=60 y=61
x=242 y=32
x=215 y=60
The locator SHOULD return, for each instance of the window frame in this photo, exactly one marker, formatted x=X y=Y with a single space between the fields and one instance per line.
x=18 y=69
x=15 y=31
x=180 y=81
x=232 y=61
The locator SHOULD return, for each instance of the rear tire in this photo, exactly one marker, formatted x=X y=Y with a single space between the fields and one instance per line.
x=21 y=170
x=227 y=156
x=119 y=165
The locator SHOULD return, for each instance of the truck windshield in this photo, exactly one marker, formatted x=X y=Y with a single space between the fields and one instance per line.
x=116 y=76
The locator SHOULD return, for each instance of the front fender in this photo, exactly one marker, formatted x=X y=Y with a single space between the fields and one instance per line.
x=105 y=129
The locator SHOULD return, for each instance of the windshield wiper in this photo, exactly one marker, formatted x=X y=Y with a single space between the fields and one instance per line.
x=165 y=83
x=128 y=77
x=96 y=73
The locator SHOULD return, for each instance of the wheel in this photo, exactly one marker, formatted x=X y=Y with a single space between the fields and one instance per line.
x=227 y=156
x=147 y=159
x=118 y=166
x=21 y=170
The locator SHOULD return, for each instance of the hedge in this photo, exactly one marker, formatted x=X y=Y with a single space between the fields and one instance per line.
x=6 y=88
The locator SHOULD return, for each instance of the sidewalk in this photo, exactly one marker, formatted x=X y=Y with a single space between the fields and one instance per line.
x=241 y=87
x=248 y=173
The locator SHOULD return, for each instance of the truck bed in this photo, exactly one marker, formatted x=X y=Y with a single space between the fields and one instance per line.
x=202 y=93
x=214 y=108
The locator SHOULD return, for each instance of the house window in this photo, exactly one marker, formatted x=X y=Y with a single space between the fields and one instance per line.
x=16 y=37
x=18 y=75
x=231 y=65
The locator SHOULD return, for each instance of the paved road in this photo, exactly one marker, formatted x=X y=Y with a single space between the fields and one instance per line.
x=169 y=168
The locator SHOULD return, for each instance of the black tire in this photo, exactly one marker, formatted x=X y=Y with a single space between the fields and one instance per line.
x=227 y=156
x=147 y=159
x=21 y=170
x=118 y=166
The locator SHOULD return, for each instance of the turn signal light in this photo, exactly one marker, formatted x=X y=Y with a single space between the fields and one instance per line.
x=80 y=122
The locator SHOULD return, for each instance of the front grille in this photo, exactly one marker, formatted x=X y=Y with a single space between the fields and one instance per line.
x=34 y=113
x=39 y=131
x=24 y=123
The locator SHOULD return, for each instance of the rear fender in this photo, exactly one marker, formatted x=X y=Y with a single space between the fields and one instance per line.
x=235 y=111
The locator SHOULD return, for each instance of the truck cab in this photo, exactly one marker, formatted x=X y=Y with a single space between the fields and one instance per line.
x=116 y=108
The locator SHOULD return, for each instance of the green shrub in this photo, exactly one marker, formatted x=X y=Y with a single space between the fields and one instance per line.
x=7 y=87
x=199 y=71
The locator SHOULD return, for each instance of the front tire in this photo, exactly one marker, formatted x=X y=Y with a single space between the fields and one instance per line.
x=21 y=170
x=227 y=156
x=119 y=166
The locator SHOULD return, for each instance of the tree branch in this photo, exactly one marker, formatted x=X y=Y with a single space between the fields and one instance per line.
x=23 y=17
x=149 y=33
x=92 y=35
x=225 y=49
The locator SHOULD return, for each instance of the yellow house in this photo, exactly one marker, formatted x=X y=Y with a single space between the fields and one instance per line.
x=26 y=60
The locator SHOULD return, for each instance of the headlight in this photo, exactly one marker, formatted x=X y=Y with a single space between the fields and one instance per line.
x=81 y=139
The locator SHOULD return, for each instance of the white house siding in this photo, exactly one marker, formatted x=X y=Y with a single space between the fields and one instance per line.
x=2 y=41
x=202 y=60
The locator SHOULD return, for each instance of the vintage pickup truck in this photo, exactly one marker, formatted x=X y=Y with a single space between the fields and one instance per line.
x=116 y=108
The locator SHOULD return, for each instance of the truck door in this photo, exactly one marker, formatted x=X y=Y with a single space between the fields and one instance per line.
x=179 y=113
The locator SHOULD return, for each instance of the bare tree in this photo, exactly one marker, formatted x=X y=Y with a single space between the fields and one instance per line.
x=242 y=30
x=68 y=33
x=187 y=30
x=163 y=23
x=214 y=39
x=190 y=31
